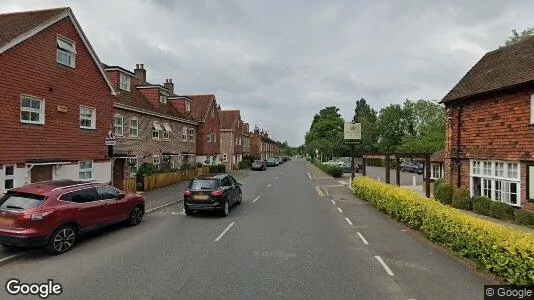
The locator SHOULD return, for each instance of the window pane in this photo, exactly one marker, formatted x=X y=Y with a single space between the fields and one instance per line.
x=10 y=170
x=25 y=115
x=34 y=117
x=106 y=193
x=25 y=102
x=36 y=104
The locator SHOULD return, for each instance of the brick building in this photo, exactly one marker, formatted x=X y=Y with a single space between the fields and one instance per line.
x=231 y=138
x=57 y=102
x=245 y=136
x=261 y=146
x=490 y=127
x=148 y=127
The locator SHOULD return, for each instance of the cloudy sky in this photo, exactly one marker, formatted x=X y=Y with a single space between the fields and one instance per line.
x=280 y=62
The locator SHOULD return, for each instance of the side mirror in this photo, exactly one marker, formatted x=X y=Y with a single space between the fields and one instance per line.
x=239 y=184
x=121 y=196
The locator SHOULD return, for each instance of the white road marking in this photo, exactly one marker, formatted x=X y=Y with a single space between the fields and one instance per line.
x=161 y=206
x=276 y=178
x=224 y=231
x=362 y=238
x=255 y=199
x=340 y=210
x=269 y=185
x=348 y=221
x=318 y=191
x=403 y=229
x=388 y=270
x=333 y=202
x=10 y=257
x=178 y=213
x=326 y=191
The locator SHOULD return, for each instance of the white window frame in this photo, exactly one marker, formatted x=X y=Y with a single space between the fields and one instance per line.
x=497 y=188
x=156 y=161
x=224 y=157
x=156 y=130
x=117 y=126
x=187 y=105
x=66 y=47
x=133 y=169
x=184 y=134
x=191 y=134
x=124 y=82
x=135 y=128
x=86 y=171
x=215 y=137
x=30 y=110
x=209 y=137
x=163 y=97
x=240 y=142
x=9 y=177
x=166 y=131
x=433 y=173
x=92 y=118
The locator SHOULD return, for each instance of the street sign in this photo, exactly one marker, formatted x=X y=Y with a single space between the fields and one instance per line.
x=110 y=139
x=352 y=131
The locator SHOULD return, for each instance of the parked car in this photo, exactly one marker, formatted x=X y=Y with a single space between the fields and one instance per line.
x=413 y=167
x=212 y=193
x=271 y=162
x=259 y=165
x=346 y=167
x=334 y=163
x=53 y=213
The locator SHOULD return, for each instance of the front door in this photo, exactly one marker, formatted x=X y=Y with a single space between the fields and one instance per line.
x=41 y=173
x=118 y=172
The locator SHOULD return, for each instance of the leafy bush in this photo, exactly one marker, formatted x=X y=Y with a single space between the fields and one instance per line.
x=498 y=249
x=481 y=205
x=146 y=169
x=443 y=193
x=334 y=171
x=461 y=199
x=524 y=217
x=218 y=169
x=501 y=210
x=198 y=165
x=245 y=164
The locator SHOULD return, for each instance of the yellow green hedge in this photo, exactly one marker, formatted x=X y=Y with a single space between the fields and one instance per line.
x=498 y=249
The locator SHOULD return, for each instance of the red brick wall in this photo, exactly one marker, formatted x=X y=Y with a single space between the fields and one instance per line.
x=255 y=146
x=31 y=68
x=213 y=124
x=151 y=94
x=495 y=127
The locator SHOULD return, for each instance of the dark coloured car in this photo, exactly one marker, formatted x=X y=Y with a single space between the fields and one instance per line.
x=53 y=213
x=413 y=167
x=346 y=167
x=271 y=162
x=259 y=165
x=212 y=193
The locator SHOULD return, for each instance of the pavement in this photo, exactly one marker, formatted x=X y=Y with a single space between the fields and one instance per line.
x=298 y=234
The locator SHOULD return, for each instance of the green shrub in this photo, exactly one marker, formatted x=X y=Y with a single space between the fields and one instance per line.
x=503 y=251
x=443 y=193
x=481 y=205
x=245 y=164
x=461 y=199
x=524 y=217
x=501 y=210
x=334 y=171
x=218 y=168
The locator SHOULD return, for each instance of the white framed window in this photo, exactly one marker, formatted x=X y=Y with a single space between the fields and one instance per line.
x=209 y=137
x=435 y=171
x=215 y=138
x=166 y=131
x=497 y=180
x=191 y=134
x=32 y=110
x=87 y=117
x=85 y=170
x=163 y=97
x=236 y=141
x=134 y=165
x=134 y=127
x=156 y=129
x=187 y=105
x=66 y=52
x=9 y=177
x=118 y=125
x=184 y=134
x=239 y=141
x=156 y=160
x=124 y=82
x=224 y=157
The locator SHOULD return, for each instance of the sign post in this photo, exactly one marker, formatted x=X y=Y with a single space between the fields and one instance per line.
x=352 y=133
x=110 y=140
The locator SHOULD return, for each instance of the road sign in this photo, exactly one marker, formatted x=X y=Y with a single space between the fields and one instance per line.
x=352 y=131
x=110 y=139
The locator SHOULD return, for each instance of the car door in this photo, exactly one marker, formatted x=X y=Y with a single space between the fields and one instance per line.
x=237 y=188
x=89 y=212
x=228 y=189
x=118 y=209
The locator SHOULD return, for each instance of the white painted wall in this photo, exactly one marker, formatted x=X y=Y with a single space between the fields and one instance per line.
x=101 y=171
x=20 y=179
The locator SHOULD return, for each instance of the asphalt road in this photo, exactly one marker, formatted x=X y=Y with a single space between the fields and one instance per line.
x=406 y=178
x=296 y=235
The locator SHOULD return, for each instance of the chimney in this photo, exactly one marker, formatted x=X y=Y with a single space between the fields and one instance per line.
x=256 y=130
x=169 y=85
x=140 y=72
x=218 y=107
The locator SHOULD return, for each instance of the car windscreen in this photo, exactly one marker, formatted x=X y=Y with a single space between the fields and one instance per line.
x=257 y=161
x=20 y=201
x=204 y=184
x=270 y=159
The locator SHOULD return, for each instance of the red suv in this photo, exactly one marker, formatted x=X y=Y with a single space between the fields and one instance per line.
x=53 y=213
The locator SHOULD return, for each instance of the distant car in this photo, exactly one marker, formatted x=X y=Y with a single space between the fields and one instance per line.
x=212 y=193
x=271 y=162
x=53 y=213
x=346 y=167
x=334 y=163
x=413 y=167
x=259 y=165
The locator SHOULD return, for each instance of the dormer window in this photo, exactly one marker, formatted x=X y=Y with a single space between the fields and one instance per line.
x=124 y=82
x=66 y=52
x=212 y=111
x=187 y=105
x=163 y=97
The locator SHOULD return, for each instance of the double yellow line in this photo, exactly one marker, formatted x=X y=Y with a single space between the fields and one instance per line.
x=320 y=192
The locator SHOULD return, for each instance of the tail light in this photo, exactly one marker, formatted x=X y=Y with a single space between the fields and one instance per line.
x=187 y=193
x=217 y=193
x=38 y=215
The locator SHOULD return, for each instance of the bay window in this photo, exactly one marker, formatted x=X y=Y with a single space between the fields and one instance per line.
x=496 y=180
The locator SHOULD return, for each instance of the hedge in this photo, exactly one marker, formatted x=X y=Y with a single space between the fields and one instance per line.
x=524 y=217
x=501 y=210
x=218 y=169
x=503 y=251
x=334 y=171
x=481 y=205
x=443 y=193
x=461 y=199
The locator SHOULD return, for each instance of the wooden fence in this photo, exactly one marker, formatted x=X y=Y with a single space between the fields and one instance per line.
x=129 y=185
x=164 y=179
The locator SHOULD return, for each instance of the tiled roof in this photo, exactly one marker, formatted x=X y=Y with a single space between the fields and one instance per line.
x=228 y=118
x=502 y=68
x=200 y=105
x=438 y=156
x=15 y=24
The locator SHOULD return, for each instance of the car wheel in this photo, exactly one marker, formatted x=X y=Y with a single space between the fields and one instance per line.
x=61 y=240
x=226 y=209
x=188 y=211
x=136 y=215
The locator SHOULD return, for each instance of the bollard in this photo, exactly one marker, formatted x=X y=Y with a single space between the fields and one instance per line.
x=414 y=181
x=378 y=178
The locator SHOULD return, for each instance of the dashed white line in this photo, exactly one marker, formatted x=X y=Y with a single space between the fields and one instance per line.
x=161 y=206
x=362 y=238
x=178 y=213
x=255 y=199
x=224 y=231
x=388 y=270
x=333 y=202
x=269 y=185
x=348 y=221
x=276 y=178
x=340 y=210
x=10 y=257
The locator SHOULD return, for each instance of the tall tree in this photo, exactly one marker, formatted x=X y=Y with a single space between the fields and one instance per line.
x=427 y=119
x=391 y=127
x=366 y=115
x=326 y=133
x=518 y=36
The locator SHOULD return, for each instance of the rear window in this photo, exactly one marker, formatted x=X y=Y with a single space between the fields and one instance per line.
x=204 y=184
x=20 y=201
x=257 y=161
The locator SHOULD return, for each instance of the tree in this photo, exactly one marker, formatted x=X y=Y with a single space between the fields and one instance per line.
x=517 y=37
x=427 y=119
x=364 y=114
x=391 y=128
x=326 y=134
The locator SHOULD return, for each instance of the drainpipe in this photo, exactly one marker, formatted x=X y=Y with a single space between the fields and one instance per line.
x=458 y=150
